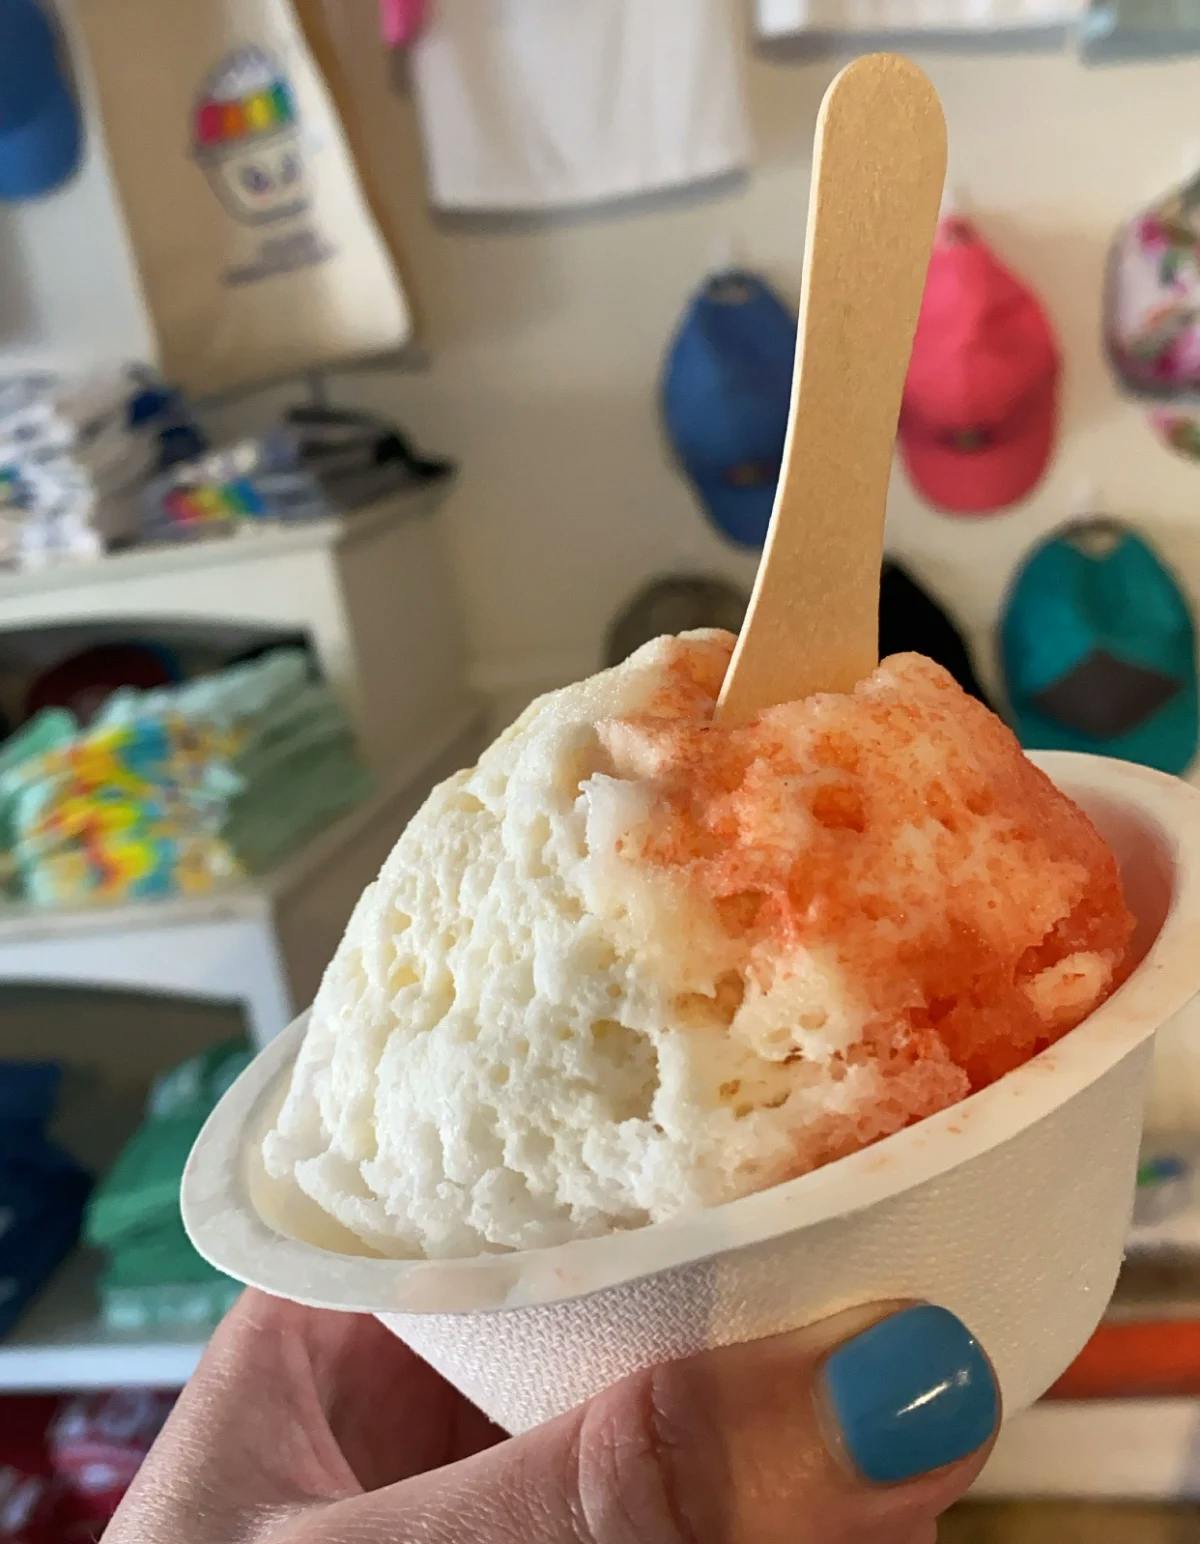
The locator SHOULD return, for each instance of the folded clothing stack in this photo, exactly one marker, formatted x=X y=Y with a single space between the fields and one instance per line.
x=47 y=731
x=299 y=769
x=42 y=1188
x=358 y=458
x=152 y=1276
x=316 y=463
x=295 y=763
x=120 y=813
x=74 y=456
x=176 y=790
x=254 y=482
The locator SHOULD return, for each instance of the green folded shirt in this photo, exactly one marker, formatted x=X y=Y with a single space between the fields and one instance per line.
x=141 y=1191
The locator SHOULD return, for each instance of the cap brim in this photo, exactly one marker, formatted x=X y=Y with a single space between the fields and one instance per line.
x=980 y=482
x=39 y=155
x=1168 y=740
x=742 y=515
x=1179 y=430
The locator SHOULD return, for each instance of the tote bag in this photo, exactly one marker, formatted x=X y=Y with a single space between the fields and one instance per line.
x=258 y=253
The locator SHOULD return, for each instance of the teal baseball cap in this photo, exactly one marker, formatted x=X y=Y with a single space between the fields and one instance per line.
x=1098 y=649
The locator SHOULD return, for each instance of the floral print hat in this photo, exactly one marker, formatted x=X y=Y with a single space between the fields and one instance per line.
x=1152 y=313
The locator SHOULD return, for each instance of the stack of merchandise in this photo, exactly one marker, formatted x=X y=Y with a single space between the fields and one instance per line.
x=177 y=790
x=66 y=1463
x=251 y=483
x=152 y=1276
x=293 y=761
x=98 y=1442
x=316 y=463
x=74 y=457
x=118 y=813
x=358 y=458
x=42 y=1188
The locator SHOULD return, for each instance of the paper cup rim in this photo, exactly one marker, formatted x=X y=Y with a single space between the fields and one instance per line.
x=228 y=1230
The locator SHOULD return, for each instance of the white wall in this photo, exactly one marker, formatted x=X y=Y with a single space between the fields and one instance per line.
x=548 y=339
x=548 y=335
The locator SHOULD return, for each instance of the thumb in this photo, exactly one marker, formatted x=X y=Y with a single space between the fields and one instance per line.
x=862 y=1429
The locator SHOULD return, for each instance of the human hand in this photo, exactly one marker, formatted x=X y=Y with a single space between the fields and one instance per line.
x=303 y=1427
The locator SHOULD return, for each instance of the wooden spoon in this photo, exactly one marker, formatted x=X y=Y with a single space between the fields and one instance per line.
x=878 y=170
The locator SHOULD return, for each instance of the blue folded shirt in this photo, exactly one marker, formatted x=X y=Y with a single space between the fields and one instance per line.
x=42 y=1196
x=29 y=1094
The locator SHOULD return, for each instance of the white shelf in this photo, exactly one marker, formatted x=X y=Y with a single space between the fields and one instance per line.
x=249 y=545
x=1098 y=1450
x=371 y=590
x=61 y=1343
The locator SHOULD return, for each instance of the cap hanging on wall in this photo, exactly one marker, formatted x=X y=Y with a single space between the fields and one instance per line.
x=726 y=391
x=1098 y=648
x=981 y=401
x=674 y=603
x=1152 y=298
x=40 y=132
x=1152 y=313
x=400 y=21
x=912 y=621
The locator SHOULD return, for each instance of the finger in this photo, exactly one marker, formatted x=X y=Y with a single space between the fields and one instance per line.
x=863 y=1429
x=246 y=1442
x=291 y=1407
x=390 y=1414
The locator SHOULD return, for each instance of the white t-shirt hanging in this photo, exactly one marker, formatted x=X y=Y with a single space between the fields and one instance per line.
x=778 y=18
x=258 y=253
x=538 y=104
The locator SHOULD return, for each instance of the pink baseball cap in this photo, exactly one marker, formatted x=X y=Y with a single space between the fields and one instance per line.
x=980 y=409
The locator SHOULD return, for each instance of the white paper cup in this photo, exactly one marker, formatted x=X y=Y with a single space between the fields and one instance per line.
x=1011 y=1208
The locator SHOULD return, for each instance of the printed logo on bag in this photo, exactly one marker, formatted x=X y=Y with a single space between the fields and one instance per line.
x=248 y=140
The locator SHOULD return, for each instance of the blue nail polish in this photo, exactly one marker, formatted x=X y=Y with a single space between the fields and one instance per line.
x=910 y=1394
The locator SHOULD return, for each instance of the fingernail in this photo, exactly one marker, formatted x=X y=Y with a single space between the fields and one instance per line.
x=912 y=1393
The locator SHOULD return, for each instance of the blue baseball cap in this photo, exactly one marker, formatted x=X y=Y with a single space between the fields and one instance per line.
x=1098 y=648
x=40 y=132
x=726 y=394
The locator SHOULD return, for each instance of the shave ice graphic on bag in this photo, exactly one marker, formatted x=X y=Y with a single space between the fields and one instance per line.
x=249 y=140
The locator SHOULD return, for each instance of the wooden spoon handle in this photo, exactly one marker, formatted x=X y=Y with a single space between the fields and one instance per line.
x=880 y=162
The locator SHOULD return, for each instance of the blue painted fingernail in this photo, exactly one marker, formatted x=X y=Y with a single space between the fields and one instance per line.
x=910 y=1394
